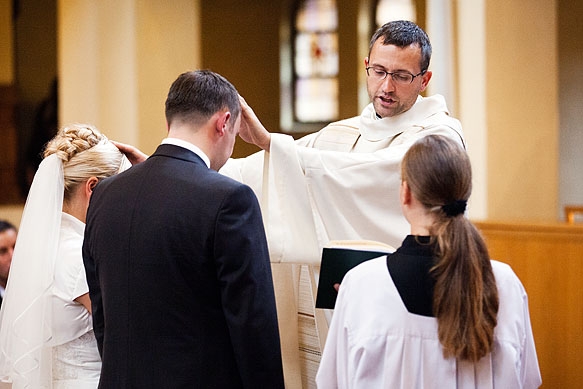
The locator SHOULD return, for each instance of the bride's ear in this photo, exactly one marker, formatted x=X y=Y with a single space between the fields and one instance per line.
x=90 y=185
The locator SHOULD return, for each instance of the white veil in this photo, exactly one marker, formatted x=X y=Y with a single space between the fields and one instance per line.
x=25 y=317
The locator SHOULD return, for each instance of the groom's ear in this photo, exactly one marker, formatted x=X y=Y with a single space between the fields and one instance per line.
x=222 y=122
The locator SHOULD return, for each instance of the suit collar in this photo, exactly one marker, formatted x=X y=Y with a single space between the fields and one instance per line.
x=173 y=151
x=190 y=146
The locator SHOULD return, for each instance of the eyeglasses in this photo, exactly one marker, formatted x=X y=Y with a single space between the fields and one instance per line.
x=400 y=77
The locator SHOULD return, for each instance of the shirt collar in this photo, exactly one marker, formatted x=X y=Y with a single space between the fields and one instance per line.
x=189 y=146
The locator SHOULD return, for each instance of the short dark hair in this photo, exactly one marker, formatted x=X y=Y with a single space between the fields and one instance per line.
x=199 y=94
x=6 y=225
x=404 y=33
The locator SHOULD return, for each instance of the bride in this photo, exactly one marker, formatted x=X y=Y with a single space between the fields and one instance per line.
x=46 y=331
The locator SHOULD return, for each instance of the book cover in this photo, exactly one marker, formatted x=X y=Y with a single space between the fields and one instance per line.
x=336 y=262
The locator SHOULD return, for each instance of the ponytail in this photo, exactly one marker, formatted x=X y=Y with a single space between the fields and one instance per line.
x=465 y=298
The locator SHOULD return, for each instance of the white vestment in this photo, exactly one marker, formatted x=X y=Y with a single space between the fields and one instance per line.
x=374 y=342
x=340 y=183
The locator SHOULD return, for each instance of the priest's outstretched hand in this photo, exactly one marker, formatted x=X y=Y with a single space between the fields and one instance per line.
x=251 y=130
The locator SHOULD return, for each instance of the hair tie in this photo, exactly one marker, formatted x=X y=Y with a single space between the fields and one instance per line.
x=455 y=208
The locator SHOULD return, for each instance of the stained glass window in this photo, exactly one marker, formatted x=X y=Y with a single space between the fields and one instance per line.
x=316 y=61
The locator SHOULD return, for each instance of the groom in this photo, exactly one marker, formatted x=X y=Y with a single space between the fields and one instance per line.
x=176 y=258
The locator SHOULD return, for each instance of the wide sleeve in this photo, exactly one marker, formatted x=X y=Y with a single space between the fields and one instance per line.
x=313 y=196
x=248 y=300
x=278 y=180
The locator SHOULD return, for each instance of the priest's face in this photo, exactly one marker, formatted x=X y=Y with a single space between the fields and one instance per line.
x=395 y=77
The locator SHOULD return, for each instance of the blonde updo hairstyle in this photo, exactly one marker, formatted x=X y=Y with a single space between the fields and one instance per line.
x=85 y=153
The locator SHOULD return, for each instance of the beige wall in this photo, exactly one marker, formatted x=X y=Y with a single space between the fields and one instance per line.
x=116 y=72
x=117 y=60
x=521 y=108
x=471 y=92
x=571 y=103
x=168 y=43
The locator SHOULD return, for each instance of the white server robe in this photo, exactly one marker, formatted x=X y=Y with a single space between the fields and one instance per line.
x=374 y=342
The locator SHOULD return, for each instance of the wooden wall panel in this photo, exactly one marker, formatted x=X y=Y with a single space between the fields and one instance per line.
x=9 y=190
x=548 y=259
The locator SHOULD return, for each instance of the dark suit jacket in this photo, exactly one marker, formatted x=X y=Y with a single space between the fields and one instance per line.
x=179 y=278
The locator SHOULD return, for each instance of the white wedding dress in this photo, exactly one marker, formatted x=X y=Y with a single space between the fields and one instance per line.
x=76 y=364
x=75 y=357
x=46 y=337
